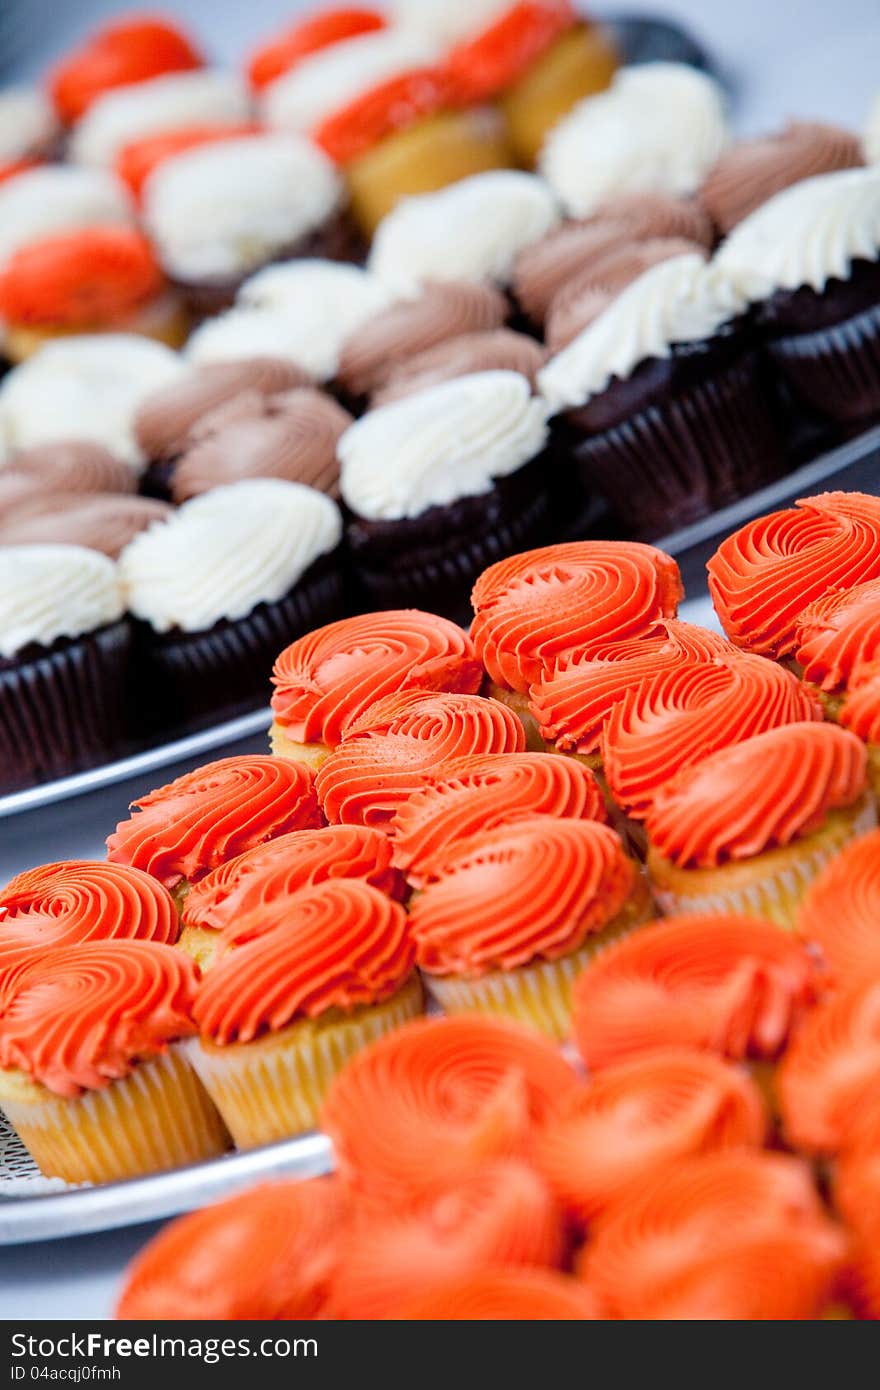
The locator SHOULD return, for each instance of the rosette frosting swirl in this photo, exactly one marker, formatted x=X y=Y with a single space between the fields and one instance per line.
x=208 y=816
x=839 y=632
x=841 y=911
x=861 y=710
x=327 y=679
x=678 y=717
x=534 y=890
x=452 y=1093
x=510 y=1295
x=337 y=945
x=495 y=350
x=731 y=985
x=103 y=523
x=82 y=1016
x=763 y=576
x=535 y=608
x=75 y=465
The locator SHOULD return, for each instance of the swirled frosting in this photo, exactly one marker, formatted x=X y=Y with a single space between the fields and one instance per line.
x=680 y=716
x=57 y=198
x=514 y=1295
x=763 y=576
x=158 y=104
x=336 y=945
x=27 y=123
x=861 y=710
x=659 y=128
x=394 y=335
x=538 y=607
x=471 y=230
x=327 y=680
x=82 y=1016
x=104 y=523
x=52 y=591
x=398 y=745
x=282 y=50
x=806 y=235
x=74 y=465
x=259 y=878
x=203 y=818
x=121 y=53
x=447 y=21
x=735 y=986
x=533 y=890
x=227 y=551
x=452 y=1093
x=470 y=796
x=658 y=1109
x=842 y=908
x=498 y=350
x=447 y=442
x=837 y=633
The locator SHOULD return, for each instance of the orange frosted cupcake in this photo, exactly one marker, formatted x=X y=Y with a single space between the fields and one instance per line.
x=504 y=1295
x=861 y=714
x=128 y=50
x=398 y=747
x=471 y=795
x=749 y=828
x=89 y=1076
x=183 y=830
x=835 y=635
x=732 y=1235
x=857 y=1198
x=329 y=678
x=296 y=990
x=643 y=1115
x=729 y=985
x=256 y=880
x=452 y=1093
x=841 y=912
x=763 y=576
x=513 y=915
x=266 y=1254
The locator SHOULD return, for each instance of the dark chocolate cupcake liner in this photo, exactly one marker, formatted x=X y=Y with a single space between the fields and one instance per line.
x=834 y=370
x=63 y=708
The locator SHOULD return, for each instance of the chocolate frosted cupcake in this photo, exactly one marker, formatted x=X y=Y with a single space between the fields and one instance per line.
x=441 y=484
x=499 y=350
x=101 y=522
x=64 y=650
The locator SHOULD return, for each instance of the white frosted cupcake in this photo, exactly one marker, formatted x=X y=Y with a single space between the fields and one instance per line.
x=57 y=198
x=28 y=127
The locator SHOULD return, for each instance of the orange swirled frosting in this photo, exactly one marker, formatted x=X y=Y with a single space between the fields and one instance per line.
x=757 y=795
x=861 y=709
x=336 y=945
x=452 y=1093
x=731 y=985
x=857 y=1197
x=326 y=680
x=748 y=1224
x=680 y=716
x=82 y=1016
x=399 y=745
x=504 y=1295
x=208 y=816
x=572 y=703
x=258 y=878
x=763 y=576
x=501 y=1213
x=535 y=608
x=841 y=911
x=473 y=795
x=277 y=1246
x=838 y=633
x=534 y=890
x=643 y=1114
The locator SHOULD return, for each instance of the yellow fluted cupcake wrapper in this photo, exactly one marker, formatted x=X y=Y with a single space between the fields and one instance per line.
x=314 y=754
x=158 y=1117
x=274 y=1087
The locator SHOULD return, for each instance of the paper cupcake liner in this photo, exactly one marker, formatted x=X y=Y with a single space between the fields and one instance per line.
x=62 y=709
x=772 y=885
x=273 y=1088
x=314 y=754
x=156 y=1118
x=835 y=370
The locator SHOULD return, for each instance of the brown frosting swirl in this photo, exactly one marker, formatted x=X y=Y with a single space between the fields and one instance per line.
x=754 y=170
x=19 y=493
x=443 y=310
x=105 y=522
x=499 y=349
x=75 y=465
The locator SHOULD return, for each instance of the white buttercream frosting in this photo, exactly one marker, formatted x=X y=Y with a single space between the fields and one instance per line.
x=226 y=551
x=225 y=208
x=659 y=127
x=160 y=103
x=472 y=230
x=27 y=122
x=52 y=591
x=330 y=79
x=87 y=387
x=448 y=21
x=871 y=137
x=58 y=198
x=806 y=234
x=449 y=441
x=682 y=300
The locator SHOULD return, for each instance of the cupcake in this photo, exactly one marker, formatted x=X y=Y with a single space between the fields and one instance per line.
x=327 y=680
x=748 y=828
x=835 y=636
x=103 y=522
x=283 y=51
x=129 y=50
x=90 y=1078
x=728 y=985
x=493 y=350
x=57 y=198
x=185 y=829
x=438 y=485
x=861 y=715
x=65 y=649
x=840 y=911
x=503 y=1295
x=513 y=915
x=297 y=990
x=452 y=1093
x=808 y=260
x=28 y=129
x=220 y=586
